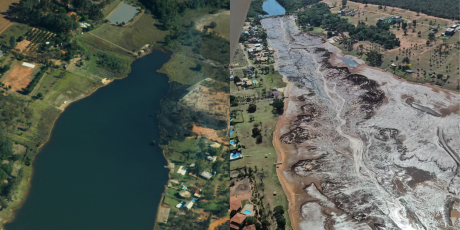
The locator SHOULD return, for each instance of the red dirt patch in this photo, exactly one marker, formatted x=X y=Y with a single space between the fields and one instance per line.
x=19 y=77
x=23 y=45
x=210 y=134
x=4 y=6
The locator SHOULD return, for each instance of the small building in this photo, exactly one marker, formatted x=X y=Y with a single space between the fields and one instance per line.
x=237 y=221
x=211 y=158
x=449 y=32
x=232 y=78
x=192 y=165
x=28 y=65
x=163 y=214
x=250 y=50
x=62 y=52
x=189 y=204
x=206 y=175
x=182 y=170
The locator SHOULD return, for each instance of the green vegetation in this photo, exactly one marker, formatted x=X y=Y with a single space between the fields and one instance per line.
x=438 y=8
x=293 y=5
x=35 y=81
x=319 y=15
x=256 y=9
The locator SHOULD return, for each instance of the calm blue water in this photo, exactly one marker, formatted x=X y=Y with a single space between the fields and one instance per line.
x=247 y=212
x=272 y=7
x=98 y=170
x=349 y=62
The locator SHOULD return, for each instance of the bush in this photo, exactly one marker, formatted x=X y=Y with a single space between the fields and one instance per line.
x=252 y=108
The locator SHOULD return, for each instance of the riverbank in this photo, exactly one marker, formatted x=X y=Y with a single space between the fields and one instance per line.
x=343 y=154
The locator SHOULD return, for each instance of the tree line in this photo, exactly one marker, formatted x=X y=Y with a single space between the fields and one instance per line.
x=439 y=8
x=52 y=16
x=319 y=15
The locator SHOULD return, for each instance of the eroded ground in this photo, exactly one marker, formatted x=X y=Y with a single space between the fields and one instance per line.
x=355 y=153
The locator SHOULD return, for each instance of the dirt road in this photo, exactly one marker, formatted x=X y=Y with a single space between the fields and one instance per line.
x=112 y=43
x=218 y=222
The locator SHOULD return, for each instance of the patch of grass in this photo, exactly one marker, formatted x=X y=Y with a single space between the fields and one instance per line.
x=16 y=29
x=263 y=155
x=144 y=31
x=240 y=57
x=182 y=69
x=116 y=34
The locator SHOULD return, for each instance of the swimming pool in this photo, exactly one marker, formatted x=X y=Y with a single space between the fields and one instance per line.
x=231 y=132
x=232 y=142
x=234 y=156
x=247 y=212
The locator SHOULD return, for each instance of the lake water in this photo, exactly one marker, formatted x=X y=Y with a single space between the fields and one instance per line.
x=272 y=7
x=98 y=170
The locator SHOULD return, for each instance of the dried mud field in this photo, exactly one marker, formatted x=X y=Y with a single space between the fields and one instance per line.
x=360 y=148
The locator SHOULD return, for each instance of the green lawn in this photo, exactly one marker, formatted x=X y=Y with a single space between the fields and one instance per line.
x=144 y=32
x=182 y=69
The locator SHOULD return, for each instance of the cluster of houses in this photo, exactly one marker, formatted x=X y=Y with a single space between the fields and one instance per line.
x=346 y=12
x=238 y=214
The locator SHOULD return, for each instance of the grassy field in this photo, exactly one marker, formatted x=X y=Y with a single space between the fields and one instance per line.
x=222 y=19
x=144 y=31
x=423 y=57
x=262 y=155
x=14 y=30
x=182 y=69
x=240 y=57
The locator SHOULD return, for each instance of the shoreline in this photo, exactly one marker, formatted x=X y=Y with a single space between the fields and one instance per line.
x=90 y=92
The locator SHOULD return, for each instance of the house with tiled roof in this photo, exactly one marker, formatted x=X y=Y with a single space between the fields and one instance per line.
x=235 y=204
x=237 y=221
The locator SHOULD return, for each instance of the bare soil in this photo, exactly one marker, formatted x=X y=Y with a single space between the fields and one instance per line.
x=210 y=134
x=23 y=45
x=4 y=6
x=19 y=77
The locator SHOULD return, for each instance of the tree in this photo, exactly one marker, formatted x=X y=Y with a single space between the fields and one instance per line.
x=252 y=108
x=419 y=34
x=431 y=37
x=255 y=132
x=344 y=3
x=21 y=38
x=278 y=106
x=374 y=58
x=13 y=41
x=212 y=25
x=198 y=67
x=250 y=220
x=259 y=139
x=3 y=203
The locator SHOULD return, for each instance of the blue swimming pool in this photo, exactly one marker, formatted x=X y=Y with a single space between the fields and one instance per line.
x=234 y=156
x=349 y=62
x=231 y=132
x=232 y=142
x=247 y=212
x=194 y=199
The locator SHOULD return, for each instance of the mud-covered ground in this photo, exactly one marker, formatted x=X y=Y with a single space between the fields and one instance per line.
x=356 y=154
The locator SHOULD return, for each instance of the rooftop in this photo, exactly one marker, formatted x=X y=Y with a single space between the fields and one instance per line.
x=238 y=218
x=235 y=203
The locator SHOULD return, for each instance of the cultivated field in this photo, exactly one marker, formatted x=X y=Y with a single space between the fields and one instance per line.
x=440 y=57
x=19 y=77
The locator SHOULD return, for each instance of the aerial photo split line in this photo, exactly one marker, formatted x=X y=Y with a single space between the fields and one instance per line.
x=230 y=114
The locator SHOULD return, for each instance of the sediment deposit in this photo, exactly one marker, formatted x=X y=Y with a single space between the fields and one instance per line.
x=355 y=154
